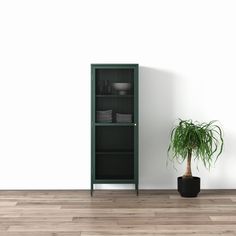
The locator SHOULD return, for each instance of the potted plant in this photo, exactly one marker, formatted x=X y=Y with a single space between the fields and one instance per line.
x=201 y=141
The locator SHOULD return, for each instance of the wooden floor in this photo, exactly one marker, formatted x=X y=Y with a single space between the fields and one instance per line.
x=75 y=213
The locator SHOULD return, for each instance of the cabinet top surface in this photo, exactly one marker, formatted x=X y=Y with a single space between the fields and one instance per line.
x=114 y=65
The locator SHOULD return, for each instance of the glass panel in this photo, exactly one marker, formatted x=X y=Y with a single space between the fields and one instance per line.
x=114 y=166
x=115 y=138
x=114 y=95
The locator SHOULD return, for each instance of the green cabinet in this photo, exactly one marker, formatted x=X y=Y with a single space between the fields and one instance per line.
x=114 y=124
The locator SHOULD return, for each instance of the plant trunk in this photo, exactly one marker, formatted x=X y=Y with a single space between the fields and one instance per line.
x=188 y=173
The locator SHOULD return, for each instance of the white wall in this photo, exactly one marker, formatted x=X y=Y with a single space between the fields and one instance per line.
x=186 y=51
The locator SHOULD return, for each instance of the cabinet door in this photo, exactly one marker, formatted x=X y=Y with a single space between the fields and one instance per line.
x=136 y=125
x=114 y=123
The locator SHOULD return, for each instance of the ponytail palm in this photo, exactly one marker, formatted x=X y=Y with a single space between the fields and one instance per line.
x=203 y=141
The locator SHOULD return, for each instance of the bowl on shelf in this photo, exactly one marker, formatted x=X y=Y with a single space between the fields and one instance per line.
x=121 y=88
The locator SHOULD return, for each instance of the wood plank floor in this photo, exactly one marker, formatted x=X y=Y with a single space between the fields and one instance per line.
x=75 y=213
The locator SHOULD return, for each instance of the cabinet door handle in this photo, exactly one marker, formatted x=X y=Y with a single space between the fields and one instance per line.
x=135 y=124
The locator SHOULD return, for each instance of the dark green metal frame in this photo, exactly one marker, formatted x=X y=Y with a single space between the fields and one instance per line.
x=134 y=181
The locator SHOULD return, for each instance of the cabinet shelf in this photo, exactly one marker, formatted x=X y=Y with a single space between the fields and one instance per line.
x=114 y=96
x=114 y=152
x=114 y=180
x=115 y=124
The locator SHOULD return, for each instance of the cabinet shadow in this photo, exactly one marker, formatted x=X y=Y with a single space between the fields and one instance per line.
x=156 y=117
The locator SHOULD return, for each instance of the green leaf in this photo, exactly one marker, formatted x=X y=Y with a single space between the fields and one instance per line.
x=205 y=140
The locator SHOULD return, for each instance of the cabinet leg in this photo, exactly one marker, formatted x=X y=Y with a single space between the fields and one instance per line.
x=91 y=190
x=136 y=188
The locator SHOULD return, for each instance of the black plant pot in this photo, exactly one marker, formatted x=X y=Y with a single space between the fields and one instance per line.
x=189 y=187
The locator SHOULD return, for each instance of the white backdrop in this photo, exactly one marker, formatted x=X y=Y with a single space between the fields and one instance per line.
x=187 y=53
